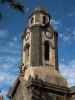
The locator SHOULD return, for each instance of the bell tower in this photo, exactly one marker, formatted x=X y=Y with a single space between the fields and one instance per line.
x=39 y=41
x=39 y=78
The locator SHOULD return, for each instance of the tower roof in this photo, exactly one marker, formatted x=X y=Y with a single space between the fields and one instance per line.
x=40 y=10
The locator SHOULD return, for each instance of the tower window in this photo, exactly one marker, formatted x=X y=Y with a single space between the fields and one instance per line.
x=44 y=19
x=46 y=50
x=32 y=19
x=27 y=54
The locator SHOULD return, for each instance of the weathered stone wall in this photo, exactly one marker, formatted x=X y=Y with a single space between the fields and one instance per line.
x=73 y=97
x=36 y=89
x=17 y=95
x=21 y=93
x=36 y=47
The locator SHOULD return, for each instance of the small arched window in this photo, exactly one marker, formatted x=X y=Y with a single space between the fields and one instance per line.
x=46 y=50
x=27 y=53
x=44 y=19
x=32 y=19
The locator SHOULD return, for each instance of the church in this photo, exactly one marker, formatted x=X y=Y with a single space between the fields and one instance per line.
x=39 y=77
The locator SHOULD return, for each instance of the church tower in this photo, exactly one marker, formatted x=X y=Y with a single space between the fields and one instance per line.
x=40 y=41
x=40 y=78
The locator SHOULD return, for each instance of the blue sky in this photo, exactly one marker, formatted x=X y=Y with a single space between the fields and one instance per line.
x=13 y=24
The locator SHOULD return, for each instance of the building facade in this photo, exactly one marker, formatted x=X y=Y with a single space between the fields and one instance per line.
x=40 y=78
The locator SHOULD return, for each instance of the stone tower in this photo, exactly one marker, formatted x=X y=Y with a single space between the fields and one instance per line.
x=40 y=41
x=39 y=78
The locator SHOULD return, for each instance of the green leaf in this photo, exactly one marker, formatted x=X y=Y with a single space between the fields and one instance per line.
x=2 y=1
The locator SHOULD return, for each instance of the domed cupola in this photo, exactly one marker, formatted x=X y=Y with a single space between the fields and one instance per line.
x=39 y=17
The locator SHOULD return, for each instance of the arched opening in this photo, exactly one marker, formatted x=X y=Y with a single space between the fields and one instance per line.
x=46 y=50
x=44 y=19
x=32 y=20
x=27 y=53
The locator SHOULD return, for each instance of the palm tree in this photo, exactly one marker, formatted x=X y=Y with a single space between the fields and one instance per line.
x=12 y=3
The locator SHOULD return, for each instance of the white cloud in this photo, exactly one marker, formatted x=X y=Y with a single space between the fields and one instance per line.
x=7 y=62
x=61 y=35
x=68 y=71
x=62 y=60
x=73 y=33
x=27 y=10
x=71 y=14
x=6 y=66
x=6 y=79
x=3 y=33
x=66 y=38
x=3 y=93
x=13 y=42
x=10 y=49
x=15 y=39
x=55 y=23
x=4 y=76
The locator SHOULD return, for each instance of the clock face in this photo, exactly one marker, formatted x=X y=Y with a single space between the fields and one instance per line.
x=48 y=35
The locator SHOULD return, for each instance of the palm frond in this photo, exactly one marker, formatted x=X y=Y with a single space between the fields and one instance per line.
x=18 y=6
x=2 y=1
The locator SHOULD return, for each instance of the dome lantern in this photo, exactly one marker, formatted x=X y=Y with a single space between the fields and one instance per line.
x=39 y=17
